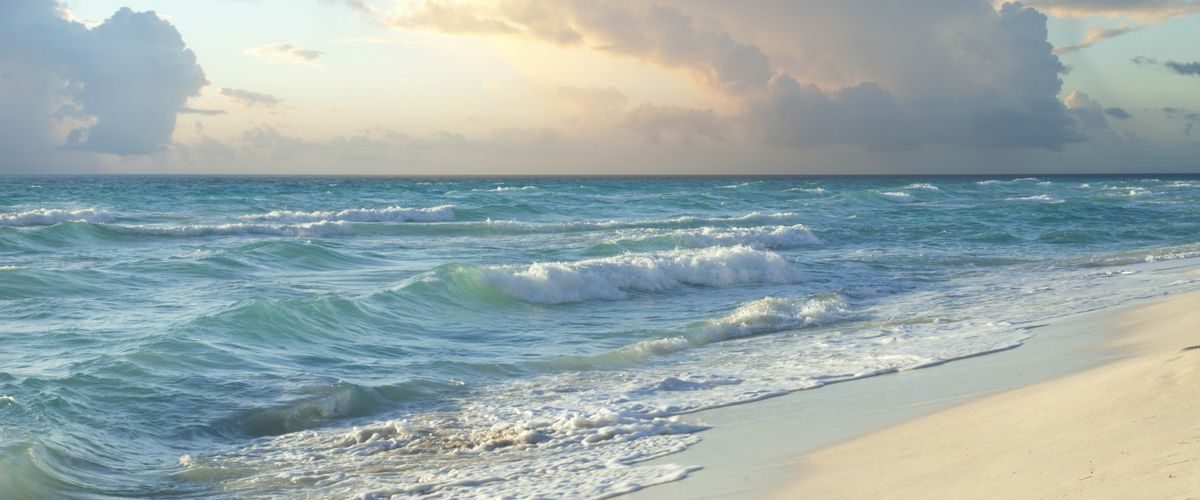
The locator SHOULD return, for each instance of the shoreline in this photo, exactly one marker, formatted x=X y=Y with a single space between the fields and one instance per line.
x=762 y=448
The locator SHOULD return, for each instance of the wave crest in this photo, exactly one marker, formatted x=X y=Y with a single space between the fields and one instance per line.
x=612 y=278
x=442 y=213
x=51 y=216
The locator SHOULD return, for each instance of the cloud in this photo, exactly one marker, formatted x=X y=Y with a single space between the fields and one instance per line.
x=1096 y=35
x=250 y=99
x=1190 y=118
x=1118 y=113
x=658 y=33
x=657 y=124
x=988 y=79
x=113 y=89
x=287 y=53
x=1181 y=68
x=202 y=112
x=1091 y=115
x=1189 y=69
x=590 y=105
x=943 y=72
x=1147 y=10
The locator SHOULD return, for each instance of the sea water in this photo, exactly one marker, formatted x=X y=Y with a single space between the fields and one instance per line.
x=341 y=337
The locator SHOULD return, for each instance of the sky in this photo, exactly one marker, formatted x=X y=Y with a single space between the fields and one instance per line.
x=495 y=87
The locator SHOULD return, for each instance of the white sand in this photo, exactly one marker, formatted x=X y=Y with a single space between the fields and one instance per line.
x=1127 y=429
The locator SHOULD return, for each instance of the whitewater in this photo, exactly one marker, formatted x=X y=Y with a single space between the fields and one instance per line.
x=174 y=336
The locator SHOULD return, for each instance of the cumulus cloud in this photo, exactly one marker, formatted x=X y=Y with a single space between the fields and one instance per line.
x=286 y=52
x=661 y=34
x=115 y=88
x=931 y=72
x=1091 y=115
x=250 y=99
x=1150 y=10
x=1096 y=35
x=966 y=75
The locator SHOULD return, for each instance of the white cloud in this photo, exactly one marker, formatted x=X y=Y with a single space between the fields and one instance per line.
x=1145 y=10
x=286 y=53
x=1096 y=35
x=250 y=99
x=113 y=89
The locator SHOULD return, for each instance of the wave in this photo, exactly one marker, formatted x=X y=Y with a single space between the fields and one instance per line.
x=923 y=186
x=1040 y=198
x=767 y=315
x=990 y=182
x=613 y=278
x=895 y=197
x=816 y=190
x=308 y=229
x=686 y=221
x=755 y=237
x=51 y=216
x=441 y=213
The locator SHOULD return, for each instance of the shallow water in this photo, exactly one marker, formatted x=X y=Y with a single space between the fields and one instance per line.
x=201 y=336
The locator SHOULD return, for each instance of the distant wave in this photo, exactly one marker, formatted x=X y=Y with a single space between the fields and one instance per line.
x=756 y=237
x=675 y=222
x=923 y=186
x=816 y=190
x=1041 y=198
x=51 y=216
x=896 y=197
x=441 y=213
x=1014 y=181
x=324 y=228
x=612 y=278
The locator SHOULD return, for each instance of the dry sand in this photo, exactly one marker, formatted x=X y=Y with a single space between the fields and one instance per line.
x=1127 y=429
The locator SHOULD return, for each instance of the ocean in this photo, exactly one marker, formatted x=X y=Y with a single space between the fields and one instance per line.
x=233 y=337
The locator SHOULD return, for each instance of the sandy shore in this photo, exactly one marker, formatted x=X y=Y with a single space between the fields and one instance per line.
x=1126 y=429
x=1065 y=399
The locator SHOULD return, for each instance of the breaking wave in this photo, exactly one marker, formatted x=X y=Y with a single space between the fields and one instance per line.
x=51 y=216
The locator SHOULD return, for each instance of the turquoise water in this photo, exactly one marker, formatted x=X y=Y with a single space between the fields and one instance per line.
x=243 y=337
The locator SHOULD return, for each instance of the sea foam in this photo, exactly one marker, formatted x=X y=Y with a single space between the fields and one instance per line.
x=613 y=278
x=51 y=216
x=767 y=315
x=896 y=197
x=307 y=229
x=792 y=236
x=441 y=213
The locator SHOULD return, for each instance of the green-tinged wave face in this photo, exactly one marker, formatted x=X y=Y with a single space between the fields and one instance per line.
x=346 y=337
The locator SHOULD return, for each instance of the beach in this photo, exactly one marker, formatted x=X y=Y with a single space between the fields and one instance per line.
x=1104 y=406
